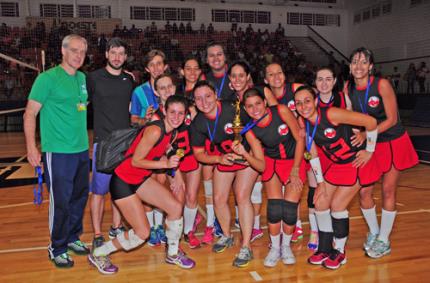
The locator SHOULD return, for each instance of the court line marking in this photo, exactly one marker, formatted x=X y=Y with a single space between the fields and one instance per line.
x=234 y=230
x=9 y=167
x=256 y=276
x=20 y=204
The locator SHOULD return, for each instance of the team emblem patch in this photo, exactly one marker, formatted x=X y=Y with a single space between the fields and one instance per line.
x=330 y=133
x=373 y=101
x=228 y=128
x=291 y=105
x=187 y=120
x=283 y=130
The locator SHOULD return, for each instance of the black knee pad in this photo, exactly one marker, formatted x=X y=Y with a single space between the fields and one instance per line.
x=340 y=227
x=289 y=213
x=311 y=194
x=325 y=241
x=274 y=210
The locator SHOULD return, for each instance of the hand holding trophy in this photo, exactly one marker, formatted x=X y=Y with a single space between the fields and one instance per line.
x=237 y=128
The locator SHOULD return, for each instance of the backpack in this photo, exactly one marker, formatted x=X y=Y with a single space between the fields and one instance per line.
x=111 y=151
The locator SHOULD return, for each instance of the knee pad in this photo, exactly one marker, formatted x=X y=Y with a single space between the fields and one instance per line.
x=311 y=194
x=340 y=224
x=132 y=242
x=325 y=241
x=289 y=213
x=174 y=229
x=274 y=210
x=256 y=195
x=208 y=186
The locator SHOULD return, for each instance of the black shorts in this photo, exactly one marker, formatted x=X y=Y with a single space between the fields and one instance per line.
x=120 y=189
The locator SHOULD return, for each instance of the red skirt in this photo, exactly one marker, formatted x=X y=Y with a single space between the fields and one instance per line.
x=188 y=163
x=282 y=168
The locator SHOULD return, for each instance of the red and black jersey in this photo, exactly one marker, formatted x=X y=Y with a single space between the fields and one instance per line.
x=287 y=97
x=275 y=136
x=226 y=93
x=335 y=141
x=183 y=136
x=374 y=106
x=202 y=128
x=337 y=100
x=134 y=175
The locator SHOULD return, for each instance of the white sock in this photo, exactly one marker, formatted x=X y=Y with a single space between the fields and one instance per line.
x=313 y=220
x=324 y=220
x=339 y=243
x=257 y=222
x=276 y=241
x=106 y=249
x=210 y=215
x=236 y=208
x=189 y=217
x=299 y=223
x=286 y=239
x=150 y=216
x=158 y=217
x=371 y=219
x=387 y=222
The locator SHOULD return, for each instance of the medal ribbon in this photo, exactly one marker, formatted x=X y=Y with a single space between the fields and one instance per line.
x=309 y=139
x=364 y=109
x=38 y=190
x=212 y=134
x=251 y=124
x=218 y=94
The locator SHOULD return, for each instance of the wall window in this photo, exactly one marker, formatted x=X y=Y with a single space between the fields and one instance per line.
x=54 y=10
x=9 y=9
x=366 y=14
x=313 y=19
x=376 y=11
x=88 y=11
x=162 y=14
x=237 y=16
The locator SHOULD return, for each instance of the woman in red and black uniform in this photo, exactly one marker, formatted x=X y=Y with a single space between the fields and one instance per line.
x=394 y=150
x=131 y=184
x=191 y=71
x=346 y=169
x=278 y=131
x=214 y=123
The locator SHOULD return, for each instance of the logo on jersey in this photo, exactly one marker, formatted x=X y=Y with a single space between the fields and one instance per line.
x=283 y=130
x=228 y=128
x=291 y=105
x=373 y=101
x=330 y=133
x=187 y=120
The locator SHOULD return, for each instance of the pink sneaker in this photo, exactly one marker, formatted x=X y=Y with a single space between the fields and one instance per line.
x=208 y=235
x=335 y=260
x=297 y=235
x=256 y=234
x=318 y=258
x=192 y=240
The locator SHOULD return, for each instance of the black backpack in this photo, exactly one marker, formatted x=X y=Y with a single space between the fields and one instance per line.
x=111 y=151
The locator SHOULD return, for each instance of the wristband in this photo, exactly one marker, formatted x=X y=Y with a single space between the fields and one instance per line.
x=316 y=168
x=372 y=136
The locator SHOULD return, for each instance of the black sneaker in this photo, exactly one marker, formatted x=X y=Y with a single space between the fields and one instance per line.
x=113 y=232
x=63 y=261
x=98 y=242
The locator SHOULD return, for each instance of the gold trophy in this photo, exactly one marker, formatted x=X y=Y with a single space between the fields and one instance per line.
x=237 y=128
x=180 y=152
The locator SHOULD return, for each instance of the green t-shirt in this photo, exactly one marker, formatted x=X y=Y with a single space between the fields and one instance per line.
x=63 y=128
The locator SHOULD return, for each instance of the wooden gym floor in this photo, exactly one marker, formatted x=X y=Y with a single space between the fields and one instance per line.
x=24 y=238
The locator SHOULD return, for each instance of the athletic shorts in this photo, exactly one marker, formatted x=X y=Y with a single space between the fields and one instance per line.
x=324 y=160
x=188 y=163
x=282 y=168
x=399 y=153
x=233 y=168
x=347 y=175
x=120 y=189
x=99 y=182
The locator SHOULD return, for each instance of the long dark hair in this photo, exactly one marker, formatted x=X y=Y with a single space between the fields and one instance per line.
x=368 y=54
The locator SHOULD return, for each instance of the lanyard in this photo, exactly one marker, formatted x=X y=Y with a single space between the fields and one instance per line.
x=218 y=94
x=212 y=134
x=309 y=139
x=328 y=103
x=38 y=190
x=364 y=109
x=251 y=124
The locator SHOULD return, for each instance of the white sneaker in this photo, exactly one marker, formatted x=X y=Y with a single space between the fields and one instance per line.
x=272 y=257
x=287 y=255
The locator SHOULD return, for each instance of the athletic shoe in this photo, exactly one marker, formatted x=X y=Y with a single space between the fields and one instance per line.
x=197 y=221
x=379 y=249
x=335 y=260
x=370 y=240
x=113 y=232
x=272 y=257
x=218 y=230
x=63 y=261
x=98 y=242
x=318 y=258
x=103 y=264
x=243 y=258
x=78 y=248
x=256 y=234
x=287 y=255
x=153 y=238
x=313 y=241
x=237 y=223
x=223 y=243
x=180 y=260
x=208 y=235
x=161 y=234
x=297 y=234
x=192 y=240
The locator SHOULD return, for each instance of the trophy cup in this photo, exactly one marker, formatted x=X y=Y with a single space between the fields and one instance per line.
x=237 y=128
